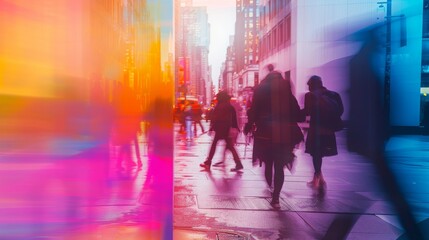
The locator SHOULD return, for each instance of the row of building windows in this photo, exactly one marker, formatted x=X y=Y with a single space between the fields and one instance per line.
x=272 y=8
x=251 y=59
x=277 y=38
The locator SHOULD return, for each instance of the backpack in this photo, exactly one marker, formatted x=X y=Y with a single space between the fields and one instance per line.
x=331 y=109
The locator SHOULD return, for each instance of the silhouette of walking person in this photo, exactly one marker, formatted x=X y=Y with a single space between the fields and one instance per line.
x=369 y=126
x=197 y=117
x=321 y=140
x=127 y=126
x=223 y=119
x=275 y=112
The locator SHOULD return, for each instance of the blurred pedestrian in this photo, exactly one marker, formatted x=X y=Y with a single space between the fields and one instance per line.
x=223 y=121
x=197 y=117
x=369 y=125
x=321 y=140
x=127 y=126
x=275 y=112
x=238 y=110
x=188 y=116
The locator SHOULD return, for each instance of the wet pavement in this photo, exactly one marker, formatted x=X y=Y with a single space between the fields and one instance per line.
x=69 y=188
x=207 y=203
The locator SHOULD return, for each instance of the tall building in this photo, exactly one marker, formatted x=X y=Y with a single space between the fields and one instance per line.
x=226 y=81
x=246 y=33
x=246 y=43
x=192 y=48
x=125 y=46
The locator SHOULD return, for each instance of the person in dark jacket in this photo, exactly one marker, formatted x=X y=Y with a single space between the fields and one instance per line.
x=275 y=113
x=223 y=118
x=321 y=141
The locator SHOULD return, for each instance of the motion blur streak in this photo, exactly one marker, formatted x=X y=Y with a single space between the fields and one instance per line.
x=78 y=84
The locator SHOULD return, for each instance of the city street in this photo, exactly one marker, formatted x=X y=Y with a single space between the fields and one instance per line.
x=65 y=193
x=220 y=203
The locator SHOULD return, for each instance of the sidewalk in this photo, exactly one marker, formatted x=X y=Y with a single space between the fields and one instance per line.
x=221 y=203
x=73 y=190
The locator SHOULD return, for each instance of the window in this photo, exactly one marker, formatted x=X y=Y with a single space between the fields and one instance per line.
x=287 y=76
x=256 y=77
x=266 y=15
x=288 y=28
x=275 y=38
x=274 y=8
x=262 y=47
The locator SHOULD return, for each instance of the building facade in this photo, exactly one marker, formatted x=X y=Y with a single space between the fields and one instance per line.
x=303 y=38
x=246 y=43
x=192 y=49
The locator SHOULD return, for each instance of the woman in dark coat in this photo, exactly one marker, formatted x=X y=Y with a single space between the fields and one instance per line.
x=223 y=118
x=321 y=141
x=275 y=113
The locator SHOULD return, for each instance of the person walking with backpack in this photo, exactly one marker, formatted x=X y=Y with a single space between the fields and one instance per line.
x=223 y=119
x=325 y=108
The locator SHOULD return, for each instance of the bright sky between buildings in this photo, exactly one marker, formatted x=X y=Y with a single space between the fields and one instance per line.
x=222 y=21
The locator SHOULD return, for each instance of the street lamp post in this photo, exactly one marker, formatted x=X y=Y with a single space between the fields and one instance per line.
x=388 y=62
x=387 y=70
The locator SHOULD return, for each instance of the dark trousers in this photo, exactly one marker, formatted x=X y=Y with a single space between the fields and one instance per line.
x=274 y=157
x=317 y=164
x=279 y=176
x=195 y=126
x=229 y=146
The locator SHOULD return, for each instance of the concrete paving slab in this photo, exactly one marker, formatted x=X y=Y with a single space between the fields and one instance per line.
x=373 y=224
x=249 y=219
x=238 y=203
x=364 y=224
x=276 y=234
x=316 y=205
x=184 y=200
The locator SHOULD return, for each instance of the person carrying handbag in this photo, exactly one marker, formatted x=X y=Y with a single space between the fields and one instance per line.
x=223 y=119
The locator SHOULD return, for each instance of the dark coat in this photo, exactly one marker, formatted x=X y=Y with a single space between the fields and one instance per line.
x=223 y=118
x=275 y=112
x=320 y=140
